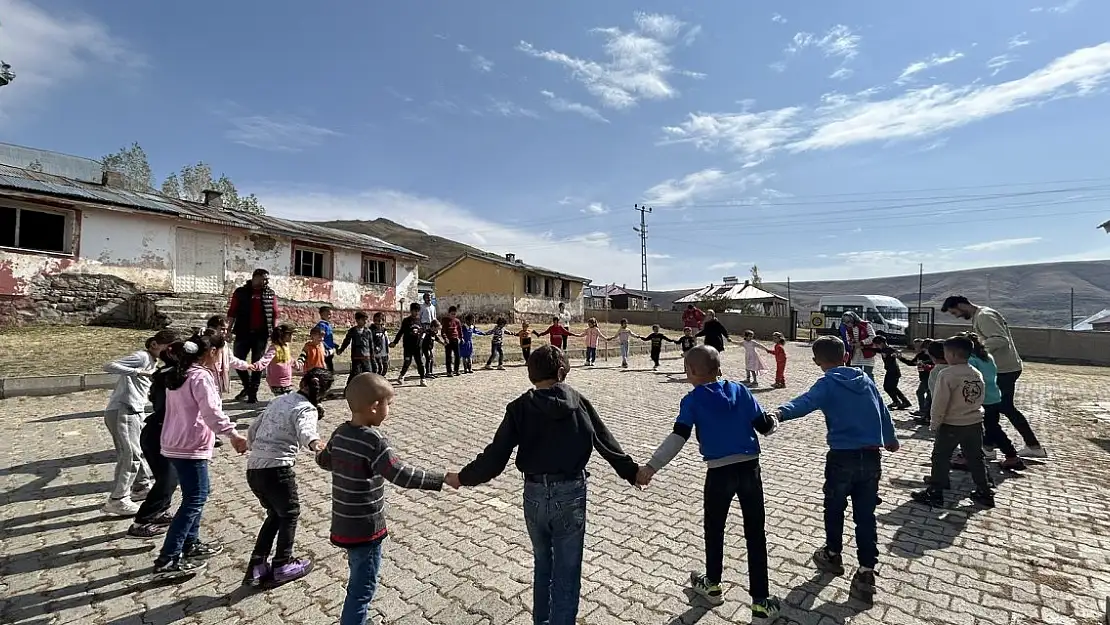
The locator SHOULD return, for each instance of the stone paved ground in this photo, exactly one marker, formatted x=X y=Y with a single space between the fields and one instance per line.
x=462 y=557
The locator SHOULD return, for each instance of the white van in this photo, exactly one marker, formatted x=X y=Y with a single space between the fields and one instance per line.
x=888 y=316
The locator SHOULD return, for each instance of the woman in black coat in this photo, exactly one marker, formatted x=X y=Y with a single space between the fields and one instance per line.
x=714 y=332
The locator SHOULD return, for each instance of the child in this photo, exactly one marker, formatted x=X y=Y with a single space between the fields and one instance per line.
x=154 y=516
x=752 y=362
x=275 y=437
x=957 y=421
x=593 y=336
x=380 y=342
x=361 y=459
x=410 y=335
x=779 y=351
x=555 y=430
x=525 y=336
x=452 y=336
x=217 y=326
x=328 y=337
x=194 y=415
x=624 y=333
x=558 y=333
x=123 y=416
x=360 y=339
x=924 y=365
x=427 y=347
x=993 y=434
x=893 y=375
x=935 y=351
x=714 y=332
x=278 y=361
x=725 y=418
x=314 y=354
x=656 y=337
x=466 y=344
x=497 y=342
x=858 y=427
x=686 y=342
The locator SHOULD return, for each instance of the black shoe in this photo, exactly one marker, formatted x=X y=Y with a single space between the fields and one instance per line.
x=218 y=443
x=177 y=569
x=243 y=394
x=828 y=562
x=202 y=551
x=863 y=587
x=252 y=398
x=984 y=498
x=932 y=497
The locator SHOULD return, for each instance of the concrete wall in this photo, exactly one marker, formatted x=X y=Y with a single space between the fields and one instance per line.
x=490 y=290
x=763 y=327
x=1050 y=345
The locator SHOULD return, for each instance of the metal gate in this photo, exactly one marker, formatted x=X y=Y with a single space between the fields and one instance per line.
x=923 y=323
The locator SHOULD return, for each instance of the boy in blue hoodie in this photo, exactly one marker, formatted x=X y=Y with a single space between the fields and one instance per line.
x=860 y=427
x=725 y=417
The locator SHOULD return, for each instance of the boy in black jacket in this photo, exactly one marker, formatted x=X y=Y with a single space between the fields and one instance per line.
x=556 y=430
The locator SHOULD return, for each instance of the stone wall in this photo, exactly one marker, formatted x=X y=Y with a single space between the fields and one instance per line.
x=73 y=299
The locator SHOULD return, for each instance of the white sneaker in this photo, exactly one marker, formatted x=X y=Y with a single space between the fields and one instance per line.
x=141 y=493
x=121 y=507
x=1033 y=452
x=422 y=382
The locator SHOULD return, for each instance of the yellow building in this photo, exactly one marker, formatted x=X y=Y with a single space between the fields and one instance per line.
x=490 y=286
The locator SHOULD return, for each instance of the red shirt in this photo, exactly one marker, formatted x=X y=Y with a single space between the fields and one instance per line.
x=258 y=317
x=780 y=353
x=556 y=332
x=692 y=318
x=452 y=328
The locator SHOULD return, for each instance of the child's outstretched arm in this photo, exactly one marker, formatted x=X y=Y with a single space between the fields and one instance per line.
x=672 y=444
x=238 y=363
x=494 y=458
x=128 y=365
x=609 y=448
x=323 y=457
x=265 y=360
x=890 y=436
x=941 y=396
x=346 y=342
x=808 y=402
x=400 y=473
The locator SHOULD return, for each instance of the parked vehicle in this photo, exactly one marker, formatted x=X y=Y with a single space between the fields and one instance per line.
x=888 y=316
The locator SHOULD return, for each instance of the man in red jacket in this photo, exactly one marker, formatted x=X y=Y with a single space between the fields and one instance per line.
x=692 y=317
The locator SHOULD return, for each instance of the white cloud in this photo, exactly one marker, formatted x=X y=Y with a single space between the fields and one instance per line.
x=722 y=266
x=838 y=42
x=477 y=61
x=1018 y=41
x=844 y=120
x=934 y=60
x=1059 y=9
x=1001 y=244
x=998 y=63
x=276 y=134
x=778 y=19
x=563 y=105
x=841 y=73
x=595 y=208
x=508 y=108
x=700 y=185
x=49 y=50
x=638 y=65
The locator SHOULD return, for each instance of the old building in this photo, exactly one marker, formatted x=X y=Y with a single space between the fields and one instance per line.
x=595 y=298
x=489 y=285
x=740 y=297
x=622 y=298
x=78 y=248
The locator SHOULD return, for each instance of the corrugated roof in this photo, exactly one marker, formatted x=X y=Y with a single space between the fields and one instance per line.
x=512 y=264
x=735 y=292
x=1086 y=325
x=33 y=183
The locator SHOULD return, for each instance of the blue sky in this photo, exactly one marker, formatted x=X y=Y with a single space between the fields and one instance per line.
x=817 y=140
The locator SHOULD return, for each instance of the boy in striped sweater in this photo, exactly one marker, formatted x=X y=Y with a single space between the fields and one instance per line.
x=360 y=459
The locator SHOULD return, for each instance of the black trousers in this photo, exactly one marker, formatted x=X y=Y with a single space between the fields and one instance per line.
x=496 y=349
x=429 y=360
x=451 y=356
x=276 y=489
x=413 y=354
x=160 y=498
x=329 y=362
x=969 y=438
x=526 y=350
x=744 y=482
x=362 y=365
x=250 y=346
x=890 y=385
x=1007 y=383
x=993 y=433
x=655 y=353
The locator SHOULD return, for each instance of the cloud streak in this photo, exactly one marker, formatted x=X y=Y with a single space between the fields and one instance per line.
x=700 y=185
x=935 y=60
x=1001 y=244
x=277 y=134
x=562 y=105
x=477 y=61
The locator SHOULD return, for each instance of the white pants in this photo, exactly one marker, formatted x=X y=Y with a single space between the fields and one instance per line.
x=132 y=472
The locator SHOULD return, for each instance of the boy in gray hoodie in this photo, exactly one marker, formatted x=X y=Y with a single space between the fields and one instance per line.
x=124 y=416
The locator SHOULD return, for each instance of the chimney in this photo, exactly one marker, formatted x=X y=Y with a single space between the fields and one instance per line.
x=510 y=257
x=747 y=282
x=214 y=199
x=113 y=179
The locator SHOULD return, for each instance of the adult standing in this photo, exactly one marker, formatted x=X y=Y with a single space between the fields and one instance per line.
x=858 y=337
x=714 y=331
x=427 y=311
x=251 y=317
x=995 y=335
x=564 y=320
x=692 y=317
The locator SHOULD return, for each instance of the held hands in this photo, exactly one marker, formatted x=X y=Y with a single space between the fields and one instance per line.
x=892 y=447
x=643 y=476
x=238 y=442
x=452 y=480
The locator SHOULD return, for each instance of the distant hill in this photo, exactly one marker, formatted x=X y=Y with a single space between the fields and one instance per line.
x=1028 y=295
x=439 y=250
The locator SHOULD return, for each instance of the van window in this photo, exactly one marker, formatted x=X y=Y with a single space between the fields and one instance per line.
x=838 y=310
x=873 y=316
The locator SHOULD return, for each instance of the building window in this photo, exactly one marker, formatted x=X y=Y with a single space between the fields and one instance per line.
x=311 y=262
x=37 y=230
x=564 y=289
x=375 y=271
x=548 y=287
x=532 y=285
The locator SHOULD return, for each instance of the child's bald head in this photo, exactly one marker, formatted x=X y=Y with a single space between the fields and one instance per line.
x=703 y=364
x=368 y=397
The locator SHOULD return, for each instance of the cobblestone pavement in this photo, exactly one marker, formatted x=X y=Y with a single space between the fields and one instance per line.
x=463 y=558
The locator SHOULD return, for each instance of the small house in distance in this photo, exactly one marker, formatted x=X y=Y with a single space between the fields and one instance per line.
x=623 y=298
x=490 y=286
x=595 y=298
x=739 y=297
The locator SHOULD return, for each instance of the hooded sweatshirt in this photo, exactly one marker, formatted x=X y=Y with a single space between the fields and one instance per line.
x=854 y=411
x=287 y=425
x=133 y=386
x=555 y=430
x=725 y=417
x=194 y=415
x=991 y=393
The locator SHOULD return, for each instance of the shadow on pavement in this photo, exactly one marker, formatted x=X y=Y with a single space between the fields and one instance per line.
x=73 y=416
x=66 y=554
x=698 y=608
x=803 y=597
x=46 y=471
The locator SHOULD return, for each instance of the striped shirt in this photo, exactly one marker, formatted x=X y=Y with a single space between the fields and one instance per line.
x=361 y=460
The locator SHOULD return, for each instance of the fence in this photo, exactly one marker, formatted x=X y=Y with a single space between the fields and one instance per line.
x=763 y=326
x=1050 y=345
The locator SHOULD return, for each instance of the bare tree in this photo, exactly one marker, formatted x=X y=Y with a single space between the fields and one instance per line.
x=756 y=280
x=132 y=163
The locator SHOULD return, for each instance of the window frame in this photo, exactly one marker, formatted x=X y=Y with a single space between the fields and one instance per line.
x=549 y=287
x=387 y=265
x=71 y=224
x=564 y=289
x=326 y=264
x=532 y=284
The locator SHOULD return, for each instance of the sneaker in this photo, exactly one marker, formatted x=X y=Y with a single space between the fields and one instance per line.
x=257 y=572
x=829 y=562
x=121 y=507
x=1033 y=452
x=1013 y=464
x=202 y=551
x=218 y=443
x=863 y=587
x=917 y=413
x=487 y=367
x=894 y=407
x=766 y=609
x=162 y=519
x=984 y=498
x=500 y=367
x=710 y=591
x=242 y=395
x=423 y=382
x=177 y=569
x=400 y=381
x=931 y=497
x=140 y=494
x=146 y=530
x=291 y=571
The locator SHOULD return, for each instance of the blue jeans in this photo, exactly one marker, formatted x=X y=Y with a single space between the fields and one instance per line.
x=365 y=562
x=591 y=354
x=184 y=531
x=555 y=514
x=853 y=474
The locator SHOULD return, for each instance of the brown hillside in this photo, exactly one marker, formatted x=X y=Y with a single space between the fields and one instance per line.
x=439 y=250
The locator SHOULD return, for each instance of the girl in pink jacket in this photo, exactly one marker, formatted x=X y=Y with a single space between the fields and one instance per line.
x=278 y=361
x=194 y=415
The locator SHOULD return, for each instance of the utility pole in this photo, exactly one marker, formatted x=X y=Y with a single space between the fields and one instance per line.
x=644 y=210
